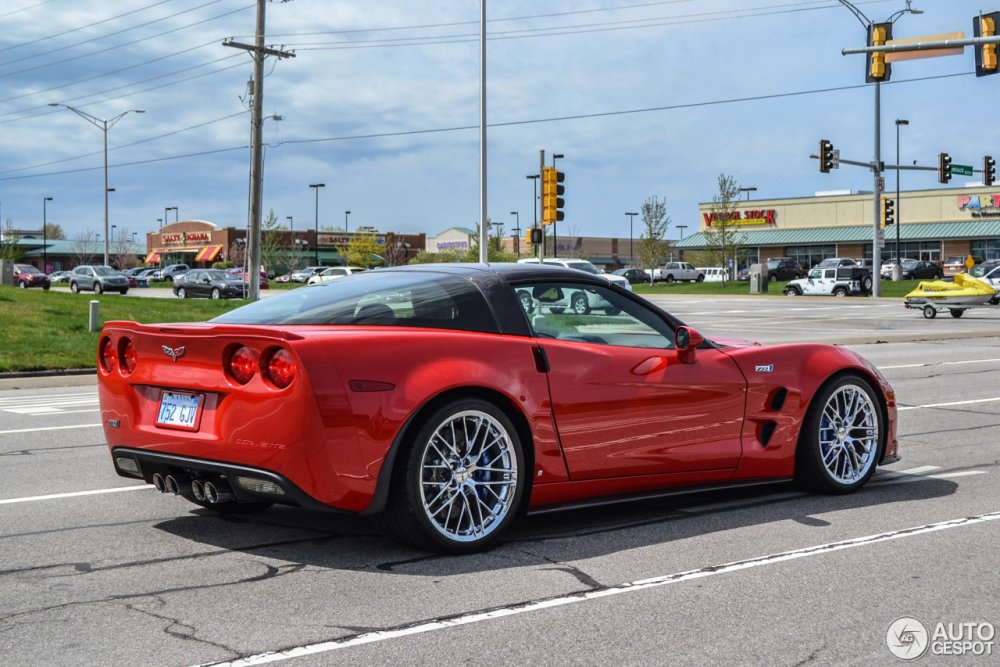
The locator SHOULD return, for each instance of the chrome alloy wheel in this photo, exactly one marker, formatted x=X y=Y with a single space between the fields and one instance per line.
x=848 y=434
x=468 y=476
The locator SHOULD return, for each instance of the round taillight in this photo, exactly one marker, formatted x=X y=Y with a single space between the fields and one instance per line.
x=129 y=358
x=281 y=368
x=106 y=355
x=242 y=364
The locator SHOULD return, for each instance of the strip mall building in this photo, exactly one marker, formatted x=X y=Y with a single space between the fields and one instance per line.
x=933 y=225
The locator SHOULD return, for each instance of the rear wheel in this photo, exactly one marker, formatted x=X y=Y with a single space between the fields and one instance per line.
x=840 y=291
x=216 y=294
x=701 y=277
x=181 y=294
x=579 y=304
x=840 y=438
x=461 y=482
x=74 y=287
x=124 y=291
x=612 y=311
x=866 y=283
x=670 y=278
x=527 y=303
x=930 y=312
x=772 y=277
x=98 y=288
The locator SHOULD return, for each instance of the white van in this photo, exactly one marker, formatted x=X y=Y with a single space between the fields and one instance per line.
x=713 y=274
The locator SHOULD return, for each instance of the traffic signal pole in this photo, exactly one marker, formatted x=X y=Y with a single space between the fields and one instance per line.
x=879 y=184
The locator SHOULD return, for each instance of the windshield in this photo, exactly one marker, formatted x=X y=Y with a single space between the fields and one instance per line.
x=981 y=270
x=105 y=271
x=394 y=298
x=27 y=268
x=216 y=274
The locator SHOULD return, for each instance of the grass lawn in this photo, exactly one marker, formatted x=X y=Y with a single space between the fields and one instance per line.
x=48 y=330
x=737 y=288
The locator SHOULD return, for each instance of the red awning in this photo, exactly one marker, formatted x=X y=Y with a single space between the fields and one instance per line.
x=153 y=257
x=208 y=253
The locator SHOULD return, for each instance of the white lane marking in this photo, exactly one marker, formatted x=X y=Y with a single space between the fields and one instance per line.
x=949 y=404
x=43 y=405
x=632 y=587
x=75 y=494
x=906 y=479
x=21 y=397
x=940 y=363
x=49 y=428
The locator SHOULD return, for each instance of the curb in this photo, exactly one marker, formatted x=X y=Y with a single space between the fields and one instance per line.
x=15 y=375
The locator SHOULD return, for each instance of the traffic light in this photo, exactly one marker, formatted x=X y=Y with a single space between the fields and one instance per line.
x=985 y=25
x=533 y=236
x=944 y=167
x=552 y=192
x=877 y=68
x=888 y=212
x=825 y=156
x=989 y=170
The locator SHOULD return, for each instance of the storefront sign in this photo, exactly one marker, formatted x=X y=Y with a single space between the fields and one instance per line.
x=169 y=239
x=749 y=217
x=197 y=237
x=185 y=237
x=343 y=239
x=980 y=206
x=453 y=245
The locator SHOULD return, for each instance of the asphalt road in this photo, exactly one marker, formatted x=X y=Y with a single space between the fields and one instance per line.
x=96 y=570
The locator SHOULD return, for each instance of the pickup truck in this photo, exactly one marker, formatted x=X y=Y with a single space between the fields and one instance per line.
x=840 y=281
x=672 y=271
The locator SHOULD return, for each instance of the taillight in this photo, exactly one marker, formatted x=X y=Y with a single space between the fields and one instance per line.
x=242 y=364
x=106 y=355
x=281 y=368
x=128 y=356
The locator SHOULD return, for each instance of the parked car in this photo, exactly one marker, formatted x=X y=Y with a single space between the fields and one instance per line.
x=331 y=398
x=211 y=284
x=151 y=275
x=580 y=302
x=910 y=269
x=26 y=275
x=304 y=274
x=237 y=271
x=832 y=281
x=784 y=268
x=956 y=264
x=332 y=273
x=286 y=278
x=673 y=271
x=170 y=273
x=743 y=274
x=97 y=278
x=59 y=276
x=132 y=281
x=989 y=272
x=834 y=262
x=715 y=274
x=633 y=276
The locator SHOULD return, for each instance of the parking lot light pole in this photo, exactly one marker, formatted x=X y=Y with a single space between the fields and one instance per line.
x=748 y=190
x=517 y=233
x=45 y=235
x=316 y=187
x=631 y=238
x=899 y=217
x=347 y=227
x=104 y=124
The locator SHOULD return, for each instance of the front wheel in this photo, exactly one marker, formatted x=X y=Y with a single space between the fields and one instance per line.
x=841 y=437
x=22 y=285
x=579 y=304
x=791 y=291
x=527 y=303
x=773 y=278
x=124 y=291
x=98 y=288
x=930 y=312
x=461 y=482
x=74 y=288
x=840 y=291
x=181 y=293
x=216 y=294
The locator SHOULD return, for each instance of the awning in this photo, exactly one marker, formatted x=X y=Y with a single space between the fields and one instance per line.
x=153 y=257
x=208 y=253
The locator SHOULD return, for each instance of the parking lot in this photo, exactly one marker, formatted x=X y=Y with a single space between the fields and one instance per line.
x=99 y=570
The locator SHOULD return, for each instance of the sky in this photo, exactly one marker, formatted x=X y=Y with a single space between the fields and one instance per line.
x=381 y=103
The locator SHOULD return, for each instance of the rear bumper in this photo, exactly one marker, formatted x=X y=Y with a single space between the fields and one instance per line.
x=150 y=463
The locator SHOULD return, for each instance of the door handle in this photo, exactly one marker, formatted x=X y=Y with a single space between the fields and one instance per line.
x=650 y=365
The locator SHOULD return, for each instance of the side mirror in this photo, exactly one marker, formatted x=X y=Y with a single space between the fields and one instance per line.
x=686 y=341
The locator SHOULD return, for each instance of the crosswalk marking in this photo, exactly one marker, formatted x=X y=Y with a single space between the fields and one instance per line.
x=50 y=404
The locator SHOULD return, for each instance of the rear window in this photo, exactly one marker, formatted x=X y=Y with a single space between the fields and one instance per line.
x=380 y=298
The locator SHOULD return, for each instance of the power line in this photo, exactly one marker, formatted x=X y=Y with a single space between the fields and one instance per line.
x=551 y=119
x=24 y=9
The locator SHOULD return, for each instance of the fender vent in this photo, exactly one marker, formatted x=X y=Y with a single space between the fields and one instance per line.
x=777 y=399
x=765 y=433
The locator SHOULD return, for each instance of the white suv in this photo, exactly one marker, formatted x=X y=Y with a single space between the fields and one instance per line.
x=334 y=272
x=581 y=302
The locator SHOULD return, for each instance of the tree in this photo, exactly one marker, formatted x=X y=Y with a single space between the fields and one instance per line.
x=121 y=249
x=394 y=250
x=272 y=242
x=54 y=232
x=723 y=240
x=84 y=247
x=360 y=250
x=653 y=249
x=9 y=248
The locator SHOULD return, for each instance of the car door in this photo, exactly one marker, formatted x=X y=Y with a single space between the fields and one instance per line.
x=622 y=401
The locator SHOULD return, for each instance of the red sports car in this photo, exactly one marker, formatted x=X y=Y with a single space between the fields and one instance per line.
x=445 y=400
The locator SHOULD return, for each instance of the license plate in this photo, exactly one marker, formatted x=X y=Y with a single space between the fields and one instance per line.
x=179 y=410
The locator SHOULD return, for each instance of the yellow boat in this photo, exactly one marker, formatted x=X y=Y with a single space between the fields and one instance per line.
x=964 y=292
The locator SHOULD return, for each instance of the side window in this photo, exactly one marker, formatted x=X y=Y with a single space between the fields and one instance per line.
x=830 y=273
x=591 y=314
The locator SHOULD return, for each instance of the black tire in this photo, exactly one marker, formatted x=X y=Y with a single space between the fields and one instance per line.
x=74 y=287
x=670 y=277
x=930 y=312
x=98 y=288
x=612 y=311
x=866 y=283
x=579 y=304
x=216 y=294
x=792 y=291
x=772 y=277
x=410 y=520
x=527 y=303
x=840 y=291
x=45 y=287
x=557 y=310
x=823 y=447
x=701 y=278
x=181 y=293
x=957 y=313
x=22 y=284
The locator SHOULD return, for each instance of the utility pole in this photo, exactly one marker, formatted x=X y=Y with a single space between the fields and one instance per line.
x=258 y=52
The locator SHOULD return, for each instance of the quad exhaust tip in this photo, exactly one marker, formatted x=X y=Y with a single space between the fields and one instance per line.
x=174 y=484
x=158 y=483
x=198 y=491
x=217 y=491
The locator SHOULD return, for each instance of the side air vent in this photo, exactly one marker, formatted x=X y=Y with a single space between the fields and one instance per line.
x=765 y=433
x=778 y=399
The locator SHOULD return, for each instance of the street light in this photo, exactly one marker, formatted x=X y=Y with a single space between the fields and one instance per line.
x=555 y=231
x=104 y=124
x=682 y=228
x=45 y=234
x=877 y=161
x=517 y=233
x=316 y=187
x=748 y=191
x=346 y=228
x=534 y=199
x=169 y=208
x=899 y=216
x=631 y=242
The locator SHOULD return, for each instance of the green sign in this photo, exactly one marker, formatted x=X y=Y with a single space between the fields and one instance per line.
x=961 y=169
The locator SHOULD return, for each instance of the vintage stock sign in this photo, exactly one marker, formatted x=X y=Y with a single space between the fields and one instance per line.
x=749 y=217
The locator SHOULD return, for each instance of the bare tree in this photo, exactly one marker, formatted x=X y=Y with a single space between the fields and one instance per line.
x=84 y=248
x=653 y=249
x=121 y=248
x=9 y=247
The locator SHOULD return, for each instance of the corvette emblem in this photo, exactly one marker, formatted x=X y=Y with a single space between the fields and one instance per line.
x=174 y=353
